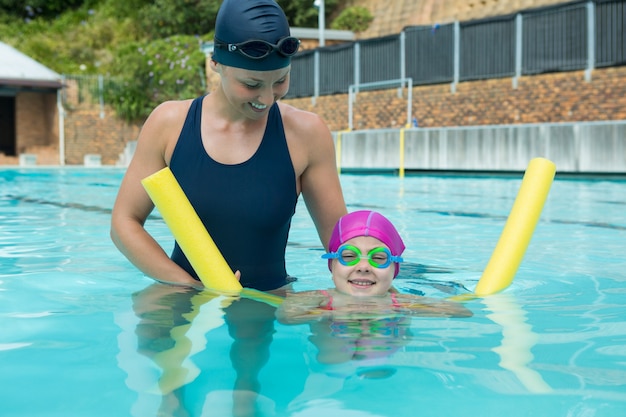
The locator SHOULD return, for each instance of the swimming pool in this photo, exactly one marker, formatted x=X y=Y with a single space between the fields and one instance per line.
x=84 y=333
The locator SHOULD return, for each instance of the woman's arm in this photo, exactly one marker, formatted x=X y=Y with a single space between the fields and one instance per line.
x=313 y=153
x=155 y=144
x=302 y=307
x=414 y=305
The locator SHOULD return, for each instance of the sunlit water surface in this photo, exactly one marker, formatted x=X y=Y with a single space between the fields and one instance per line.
x=84 y=333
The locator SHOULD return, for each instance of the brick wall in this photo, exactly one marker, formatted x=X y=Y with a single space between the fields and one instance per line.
x=557 y=97
x=87 y=133
x=36 y=124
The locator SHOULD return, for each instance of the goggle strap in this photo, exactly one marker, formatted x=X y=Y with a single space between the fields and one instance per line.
x=267 y=49
x=337 y=255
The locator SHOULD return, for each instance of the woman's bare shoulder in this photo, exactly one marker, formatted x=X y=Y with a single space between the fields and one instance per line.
x=162 y=128
x=169 y=111
x=302 y=121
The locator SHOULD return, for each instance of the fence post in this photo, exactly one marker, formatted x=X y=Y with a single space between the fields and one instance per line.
x=357 y=64
x=457 y=55
x=519 y=29
x=101 y=94
x=409 y=111
x=61 y=112
x=591 y=39
x=316 y=75
x=351 y=95
x=409 y=102
x=402 y=56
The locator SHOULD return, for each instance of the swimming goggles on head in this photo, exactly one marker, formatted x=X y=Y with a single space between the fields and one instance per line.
x=349 y=255
x=257 y=49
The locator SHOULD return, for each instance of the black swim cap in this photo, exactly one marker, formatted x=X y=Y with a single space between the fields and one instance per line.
x=244 y=20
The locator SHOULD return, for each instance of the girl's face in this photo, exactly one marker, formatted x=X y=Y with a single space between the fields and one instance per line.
x=363 y=279
x=253 y=92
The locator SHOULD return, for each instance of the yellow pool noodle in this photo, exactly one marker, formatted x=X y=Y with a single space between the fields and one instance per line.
x=189 y=232
x=519 y=228
x=267 y=298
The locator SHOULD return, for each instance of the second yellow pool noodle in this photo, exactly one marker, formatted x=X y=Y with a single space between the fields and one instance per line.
x=189 y=232
x=518 y=229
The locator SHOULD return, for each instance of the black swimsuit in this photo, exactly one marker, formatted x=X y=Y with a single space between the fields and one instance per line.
x=247 y=207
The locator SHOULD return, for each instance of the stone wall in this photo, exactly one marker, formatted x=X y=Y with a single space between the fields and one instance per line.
x=547 y=98
x=87 y=133
x=36 y=125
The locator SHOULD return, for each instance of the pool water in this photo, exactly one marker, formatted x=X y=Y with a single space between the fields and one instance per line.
x=84 y=333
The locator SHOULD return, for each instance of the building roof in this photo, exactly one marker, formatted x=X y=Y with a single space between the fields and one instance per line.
x=18 y=70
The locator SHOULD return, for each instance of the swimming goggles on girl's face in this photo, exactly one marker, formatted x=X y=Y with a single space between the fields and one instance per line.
x=257 y=49
x=349 y=255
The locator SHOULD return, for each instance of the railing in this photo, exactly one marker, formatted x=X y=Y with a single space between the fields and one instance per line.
x=580 y=35
x=80 y=89
x=400 y=83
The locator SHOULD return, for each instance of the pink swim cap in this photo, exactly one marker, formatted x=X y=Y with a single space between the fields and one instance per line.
x=366 y=223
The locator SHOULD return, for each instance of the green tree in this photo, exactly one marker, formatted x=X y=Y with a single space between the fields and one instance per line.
x=123 y=9
x=354 y=18
x=81 y=41
x=303 y=13
x=31 y=9
x=153 y=72
x=145 y=46
x=163 y=18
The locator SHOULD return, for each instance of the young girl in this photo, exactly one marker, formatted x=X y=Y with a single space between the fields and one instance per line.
x=359 y=325
x=364 y=257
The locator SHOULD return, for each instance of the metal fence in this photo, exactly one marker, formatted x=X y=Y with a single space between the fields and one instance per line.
x=85 y=90
x=579 y=35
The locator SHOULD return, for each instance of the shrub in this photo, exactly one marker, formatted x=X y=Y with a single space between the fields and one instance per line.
x=354 y=18
x=153 y=72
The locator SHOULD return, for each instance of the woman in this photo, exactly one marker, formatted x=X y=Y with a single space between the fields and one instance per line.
x=241 y=157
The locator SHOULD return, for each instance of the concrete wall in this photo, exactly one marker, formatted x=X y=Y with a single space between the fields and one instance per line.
x=593 y=147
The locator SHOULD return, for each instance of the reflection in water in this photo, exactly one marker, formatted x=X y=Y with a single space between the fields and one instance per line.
x=251 y=325
x=176 y=323
x=362 y=340
x=186 y=337
x=191 y=353
x=178 y=330
x=350 y=348
x=517 y=341
x=356 y=336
